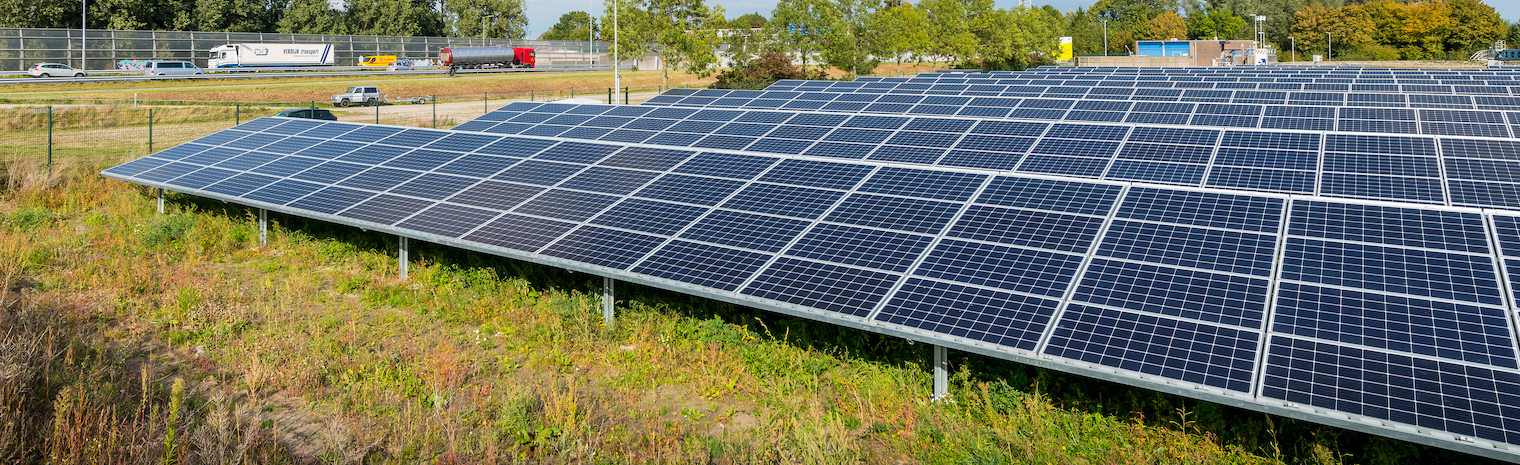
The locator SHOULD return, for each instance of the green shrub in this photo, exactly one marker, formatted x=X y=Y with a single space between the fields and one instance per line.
x=164 y=229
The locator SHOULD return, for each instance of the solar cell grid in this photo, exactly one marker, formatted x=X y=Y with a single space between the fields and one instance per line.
x=1027 y=271
x=833 y=288
x=1238 y=301
x=870 y=248
x=1192 y=352
x=991 y=316
x=1413 y=326
x=702 y=264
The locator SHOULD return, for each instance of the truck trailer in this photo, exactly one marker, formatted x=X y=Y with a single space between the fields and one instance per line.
x=486 y=58
x=271 y=55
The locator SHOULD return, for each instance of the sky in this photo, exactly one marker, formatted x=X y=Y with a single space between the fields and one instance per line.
x=544 y=13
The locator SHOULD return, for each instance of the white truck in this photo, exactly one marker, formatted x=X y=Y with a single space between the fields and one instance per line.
x=271 y=55
x=362 y=95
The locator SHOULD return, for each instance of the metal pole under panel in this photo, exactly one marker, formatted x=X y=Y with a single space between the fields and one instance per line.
x=263 y=226
x=941 y=374
x=607 y=301
x=403 y=256
x=160 y=200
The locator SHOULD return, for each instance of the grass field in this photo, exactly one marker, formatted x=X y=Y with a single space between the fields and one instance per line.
x=136 y=337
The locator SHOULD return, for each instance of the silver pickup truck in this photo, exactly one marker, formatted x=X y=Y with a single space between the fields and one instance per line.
x=362 y=95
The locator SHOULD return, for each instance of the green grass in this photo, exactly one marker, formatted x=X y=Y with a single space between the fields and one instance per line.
x=312 y=340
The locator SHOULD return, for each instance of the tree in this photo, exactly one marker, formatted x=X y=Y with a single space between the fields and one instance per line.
x=1166 y=26
x=1013 y=36
x=1130 y=19
x=1474 y=26
x=747 y=21
x=1211 y=24
x=953 y=26
x=1418 y=29
x=474 y=18
x=39 y=13
x=238 y=15
x=310 y=17
x=575 y=25
x=392 y=18
x=846 y=43
x=900 y=31
x=1085 y=31
x=1350 y=27
x=1514 y=35
x=801 y=24
x=683 y=32
x=761 y=73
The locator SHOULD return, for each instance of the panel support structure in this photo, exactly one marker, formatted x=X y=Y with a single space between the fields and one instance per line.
x=607 y=301
x=160 y=200
x=402 y=255
x=263 y=227
x=941 y=374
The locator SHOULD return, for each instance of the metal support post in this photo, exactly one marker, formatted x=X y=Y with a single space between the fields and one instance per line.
x=625 y=95
x=150 y=130
x=435 y=110
x=50 y=141
x=403 y=256
x=237 y=114
x=160 y=200
x=941 y=374
x=263 y=227
x=607 y=301
x=485 y=101
x=609 y=95
x=377 y=112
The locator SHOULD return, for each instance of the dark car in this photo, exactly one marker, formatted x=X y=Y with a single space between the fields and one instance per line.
x=316 y=113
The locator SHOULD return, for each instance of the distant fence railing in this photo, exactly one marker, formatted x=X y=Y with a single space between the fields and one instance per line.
x=105 y=48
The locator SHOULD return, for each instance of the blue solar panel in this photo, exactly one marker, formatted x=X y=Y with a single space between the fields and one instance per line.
x=822 y=174
x=870 y=248
x=1395 y=323
x=566 y=205
x=827 y=287
x=649 y=216
x=800 y=202
x=964 y=311
x=1192 y=352
x=1028 y=271
x=702 y=264
x=1224 y=299
x=496 y=195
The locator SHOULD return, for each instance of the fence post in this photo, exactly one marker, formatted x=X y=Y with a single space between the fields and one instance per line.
x=625 y=95
x=609 y=95
x=377 y=112
x=435 y=111
x=530 y=96
x=572 y=92
x=50 y=140
x=237 y=114
x=485 y=101
x=150 y=130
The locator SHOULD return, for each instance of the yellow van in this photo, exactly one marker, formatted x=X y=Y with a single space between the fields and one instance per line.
x=378 y=61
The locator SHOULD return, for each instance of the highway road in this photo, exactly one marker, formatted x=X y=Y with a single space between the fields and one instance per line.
x=20 y=78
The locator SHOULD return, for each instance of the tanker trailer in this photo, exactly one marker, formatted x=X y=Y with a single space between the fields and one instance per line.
x=486 y=58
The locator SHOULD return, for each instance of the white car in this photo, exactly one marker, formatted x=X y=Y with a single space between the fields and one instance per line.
x=172 y=68
x=54 y=69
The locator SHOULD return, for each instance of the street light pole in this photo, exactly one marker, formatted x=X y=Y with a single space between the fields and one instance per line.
x=1295 y=47
x=483 y=28
x=1327 y=46
x=1105 y=37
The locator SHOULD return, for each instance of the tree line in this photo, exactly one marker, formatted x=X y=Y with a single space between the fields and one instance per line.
x=451 y=18
x=855 y=36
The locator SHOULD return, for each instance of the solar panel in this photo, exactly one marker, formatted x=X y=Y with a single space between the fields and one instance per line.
x=1135 y=282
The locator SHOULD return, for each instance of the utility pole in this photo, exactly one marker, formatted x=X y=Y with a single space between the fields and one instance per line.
x=1295 y=47
x=1327 y=46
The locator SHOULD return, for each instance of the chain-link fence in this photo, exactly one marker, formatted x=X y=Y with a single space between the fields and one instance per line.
x=64 y=132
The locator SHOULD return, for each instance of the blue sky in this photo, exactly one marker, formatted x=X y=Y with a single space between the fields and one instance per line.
x=544 y=13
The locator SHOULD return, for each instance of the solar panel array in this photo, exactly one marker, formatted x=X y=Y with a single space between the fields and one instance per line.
x=1407 y=168
x=1483 y=123
x=1162 y=93
x=1392 y=316
x=1488 y=82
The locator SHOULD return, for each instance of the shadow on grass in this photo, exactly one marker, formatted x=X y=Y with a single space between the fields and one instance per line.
x=1288 y=440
